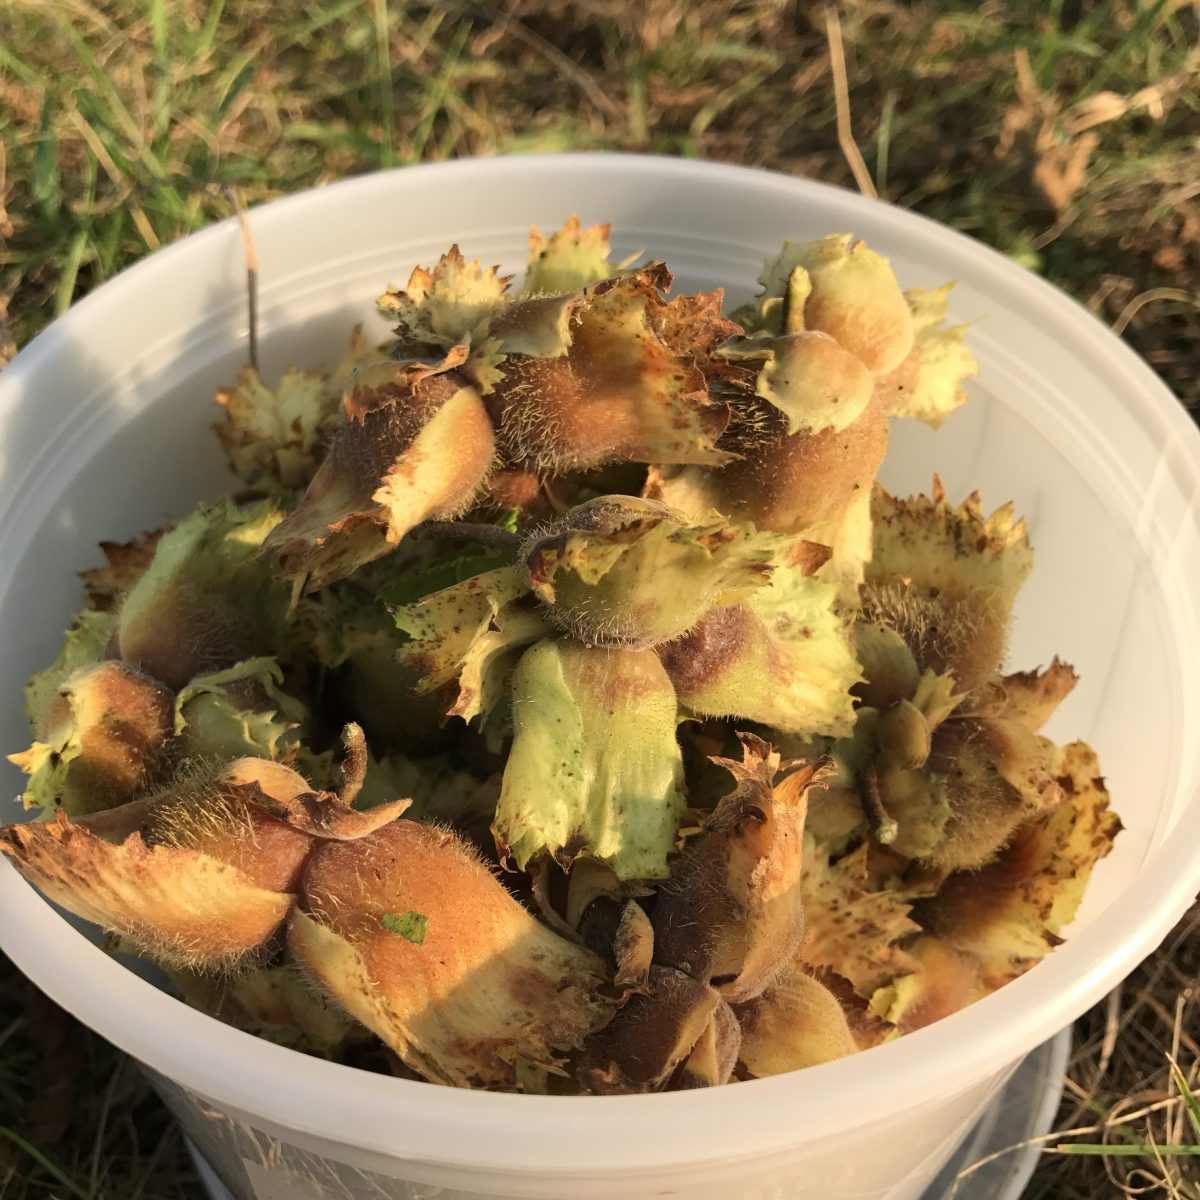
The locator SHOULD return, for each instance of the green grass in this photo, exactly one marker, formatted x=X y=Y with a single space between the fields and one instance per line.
x=124 y=125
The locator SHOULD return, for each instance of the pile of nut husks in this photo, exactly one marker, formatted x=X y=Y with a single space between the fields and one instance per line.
x=560 y=701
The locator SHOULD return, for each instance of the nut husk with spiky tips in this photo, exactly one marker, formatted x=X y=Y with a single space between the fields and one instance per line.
x=945 y=578
x=996 y=773
x=570 y=258
x=853 y=927
x=841 y=351
x=276 y=436
x=462 y=314
x=460 y=994
x=446 y=307
x=830 y=318
x=812 y=484
x=951 y=846
x=124 y=565
x=621 y=571
x=986 y=770
x=955 y=775
x=731 y=913
x=1012 y=909
x=629 y=387
x=416 y=444
x=575 y=376
x=944 y=769
x=982 y=926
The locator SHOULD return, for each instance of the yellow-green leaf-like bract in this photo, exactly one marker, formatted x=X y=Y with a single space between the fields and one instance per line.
x=594 y=768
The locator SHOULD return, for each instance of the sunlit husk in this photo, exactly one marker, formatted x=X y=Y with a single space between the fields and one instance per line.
x=838 y=286
x=1014 y=907
x=945 y=578
x=201 y=874
x=938 y=363
x=570 y=258
x=487 y=983
x=628 y=387
x=103 y=737
x=627 y=572
x=808 y=377
x=987 y=927
x=594 y=768
x=412 y=449
x=781 y=657
x=179 y=905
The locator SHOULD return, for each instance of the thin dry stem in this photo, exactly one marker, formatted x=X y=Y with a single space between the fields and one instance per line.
x=841 y=97
x=251 y=252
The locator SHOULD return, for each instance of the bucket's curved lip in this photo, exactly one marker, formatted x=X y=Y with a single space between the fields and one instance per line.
x=561 y=1135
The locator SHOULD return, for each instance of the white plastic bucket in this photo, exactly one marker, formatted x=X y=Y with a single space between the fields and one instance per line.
x=104 y=429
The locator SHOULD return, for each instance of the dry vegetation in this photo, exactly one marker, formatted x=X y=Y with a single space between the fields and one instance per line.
x=1067 y=134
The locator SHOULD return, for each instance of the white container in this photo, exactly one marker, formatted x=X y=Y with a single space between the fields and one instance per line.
x=104 y=425
x=995 y=1162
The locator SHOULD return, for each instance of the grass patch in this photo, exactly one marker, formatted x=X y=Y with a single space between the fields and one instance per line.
x=1063 y=134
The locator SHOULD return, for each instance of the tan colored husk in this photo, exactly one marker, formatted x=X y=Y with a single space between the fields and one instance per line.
x=103 y=738
x=731 y=913
x=796 y=1023
x=627 y=389
x=124 y=563
x=851 y=928
x=411 y=450
x=181 y=906
x=715 y=1054
x=486 y=983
